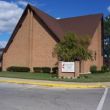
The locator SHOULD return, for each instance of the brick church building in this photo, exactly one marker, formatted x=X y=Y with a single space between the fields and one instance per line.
x=36 y=34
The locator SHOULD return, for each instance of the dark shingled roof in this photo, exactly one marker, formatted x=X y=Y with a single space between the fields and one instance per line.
x=51 y=22
x=84 y=25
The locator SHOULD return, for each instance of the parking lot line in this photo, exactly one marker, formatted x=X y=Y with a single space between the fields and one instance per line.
x=101 y=103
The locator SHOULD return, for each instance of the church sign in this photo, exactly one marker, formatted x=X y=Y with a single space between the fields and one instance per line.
x=68 y=67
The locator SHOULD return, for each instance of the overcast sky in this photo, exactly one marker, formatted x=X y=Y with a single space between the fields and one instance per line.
x=11 y=10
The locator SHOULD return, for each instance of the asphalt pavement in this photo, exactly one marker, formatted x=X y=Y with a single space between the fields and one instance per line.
x=31 y=97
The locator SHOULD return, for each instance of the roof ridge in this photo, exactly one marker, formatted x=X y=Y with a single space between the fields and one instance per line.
x=33 y=7
x=50 y=21
x=97 y=14
x=57 y=27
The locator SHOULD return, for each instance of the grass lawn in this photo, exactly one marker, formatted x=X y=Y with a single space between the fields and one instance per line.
x=98 y=77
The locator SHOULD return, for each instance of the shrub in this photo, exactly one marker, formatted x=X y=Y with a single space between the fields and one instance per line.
x=104 y=68
x=18 y=69
x=55 y=70
x=46 y=69
x=37 y=69
x=93 y=69
x=62 y=77
x=0 y=69
x=99 y=71
x=42 y=69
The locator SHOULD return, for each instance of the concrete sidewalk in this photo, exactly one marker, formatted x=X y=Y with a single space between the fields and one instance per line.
x=57 y=84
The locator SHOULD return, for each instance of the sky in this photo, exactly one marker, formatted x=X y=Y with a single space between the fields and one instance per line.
x=11 y=10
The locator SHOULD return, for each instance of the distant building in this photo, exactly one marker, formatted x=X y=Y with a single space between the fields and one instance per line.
x=36 y=34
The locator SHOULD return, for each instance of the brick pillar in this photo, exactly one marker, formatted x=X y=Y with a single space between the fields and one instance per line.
x=31 y=41
x=77 y=68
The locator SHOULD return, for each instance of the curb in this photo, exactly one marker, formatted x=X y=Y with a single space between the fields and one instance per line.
x=57 y=85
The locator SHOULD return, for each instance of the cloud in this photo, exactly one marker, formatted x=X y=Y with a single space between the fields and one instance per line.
x=3 y=44
x=9 y=15
x=108 y=8
x=58 y=18
x=22 y=3
x=10 y=12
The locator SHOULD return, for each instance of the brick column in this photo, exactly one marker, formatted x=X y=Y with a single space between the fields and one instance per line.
x=31 y=41
x=77 y=68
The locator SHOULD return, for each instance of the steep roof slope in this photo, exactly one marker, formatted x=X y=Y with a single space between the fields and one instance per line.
x=51 y=22
x=83 y=25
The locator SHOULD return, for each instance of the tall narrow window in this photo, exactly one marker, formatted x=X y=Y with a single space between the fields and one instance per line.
x=95 y=55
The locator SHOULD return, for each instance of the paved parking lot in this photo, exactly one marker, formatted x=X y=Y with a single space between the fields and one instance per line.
x=26 y=97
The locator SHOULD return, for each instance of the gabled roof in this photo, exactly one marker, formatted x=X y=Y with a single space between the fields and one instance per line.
x=51 y=22
x=84 y=25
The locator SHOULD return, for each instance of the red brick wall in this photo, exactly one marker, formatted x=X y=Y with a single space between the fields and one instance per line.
x=17 y=53
x=32 y=46
x=95 y=46
x=43 y=46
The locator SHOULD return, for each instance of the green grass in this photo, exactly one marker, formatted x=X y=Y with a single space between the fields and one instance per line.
x=26 y=75
x=98 y=77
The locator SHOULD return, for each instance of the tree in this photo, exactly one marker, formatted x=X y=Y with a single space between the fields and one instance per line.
x=107 y=26
x=107 y=40
x=73 y=48
x=107 y=37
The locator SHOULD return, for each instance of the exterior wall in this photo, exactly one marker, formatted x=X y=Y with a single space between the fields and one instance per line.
x=43 y=46
x=17 y=53
x=95 y=47
x=32 y=46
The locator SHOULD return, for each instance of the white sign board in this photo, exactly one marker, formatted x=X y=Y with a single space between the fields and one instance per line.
x=68 y=67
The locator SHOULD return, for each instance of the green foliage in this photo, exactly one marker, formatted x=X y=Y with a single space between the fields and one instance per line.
x=107 y=26
x=42 y=69
x=93 y=69
x=55 y=70
x=104 y=68
x=37 y=69
x=73 y=48
x=0 y=69
x=107 y=38
x=41 y=76
x=46 y=69
x=99 y=71
x=18 y=69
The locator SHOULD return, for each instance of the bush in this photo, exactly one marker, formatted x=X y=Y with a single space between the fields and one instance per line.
x=93 y=69
x=46 y=69
x=99 y=71
x=18 y=69
x=55 y=70
x=104 y=68
x=0 y=69
x=37 y=69
x=42 y=69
